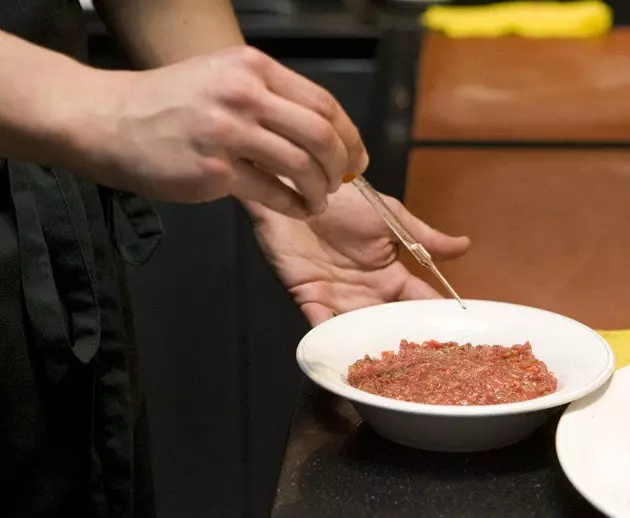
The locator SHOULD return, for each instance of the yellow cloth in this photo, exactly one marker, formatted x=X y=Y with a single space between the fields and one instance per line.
x=620 y=343
x=581 y=19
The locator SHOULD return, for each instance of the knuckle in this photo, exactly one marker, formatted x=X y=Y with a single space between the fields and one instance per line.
x=218 y=168
x=323 y=137
x=251 y=57
x=300 y=162
x=217 y=125
x=325 y=104
x=240 y=94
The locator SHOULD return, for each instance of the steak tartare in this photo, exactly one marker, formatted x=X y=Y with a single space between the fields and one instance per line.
x=451 y=374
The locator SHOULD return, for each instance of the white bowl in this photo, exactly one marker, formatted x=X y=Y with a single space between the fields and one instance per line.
x=581 y=360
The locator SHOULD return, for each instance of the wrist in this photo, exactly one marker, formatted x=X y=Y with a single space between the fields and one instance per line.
x=87 y=121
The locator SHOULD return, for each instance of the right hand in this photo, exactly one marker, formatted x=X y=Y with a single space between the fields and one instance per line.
x=233 y=123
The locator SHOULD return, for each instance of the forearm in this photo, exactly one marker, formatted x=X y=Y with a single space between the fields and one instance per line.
x=161 y=32
x=48 y=105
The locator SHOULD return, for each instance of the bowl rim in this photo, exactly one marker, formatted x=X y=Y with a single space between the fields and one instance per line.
x=559 y=398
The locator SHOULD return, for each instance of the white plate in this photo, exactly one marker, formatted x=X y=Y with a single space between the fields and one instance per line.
x=580 y=358
x=593 y=445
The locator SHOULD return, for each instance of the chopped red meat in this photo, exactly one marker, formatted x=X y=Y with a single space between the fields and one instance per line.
x=452 y=374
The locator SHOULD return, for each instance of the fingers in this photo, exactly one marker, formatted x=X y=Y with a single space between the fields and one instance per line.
x=251 y=184
x=288 y=126
x=414 y=289
x=277 y=156
x=438 y=244
x=316 y=313
x=299 y=90
x=309 y=131
x=327 y=298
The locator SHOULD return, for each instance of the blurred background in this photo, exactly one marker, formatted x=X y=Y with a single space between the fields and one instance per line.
x=522 y=144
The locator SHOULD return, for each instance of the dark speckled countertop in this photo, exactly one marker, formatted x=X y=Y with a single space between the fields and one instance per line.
x=337 y=467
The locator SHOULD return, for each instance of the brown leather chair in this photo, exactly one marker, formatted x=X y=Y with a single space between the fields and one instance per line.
x=550 y=226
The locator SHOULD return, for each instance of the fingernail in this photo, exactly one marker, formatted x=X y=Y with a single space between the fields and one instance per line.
x=348 y=177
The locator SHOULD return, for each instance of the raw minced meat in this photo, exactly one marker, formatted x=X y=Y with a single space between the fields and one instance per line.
x=452 y=374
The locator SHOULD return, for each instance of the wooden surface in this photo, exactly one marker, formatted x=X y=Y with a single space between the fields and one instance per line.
x=549 y=228
x=549 y=216
x=524 y=89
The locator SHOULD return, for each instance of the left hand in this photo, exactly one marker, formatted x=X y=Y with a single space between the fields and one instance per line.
x=345 y=258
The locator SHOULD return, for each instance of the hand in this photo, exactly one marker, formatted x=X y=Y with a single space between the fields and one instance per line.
x=232 y=123
x=345 y=258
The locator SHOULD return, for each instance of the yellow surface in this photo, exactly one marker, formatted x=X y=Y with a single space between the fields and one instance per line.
x=620 y=343
x=581 y=19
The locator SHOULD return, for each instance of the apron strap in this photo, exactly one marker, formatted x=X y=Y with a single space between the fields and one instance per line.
x=71 y=295
x=134 y=224
x=56 y=258
x=113 y=412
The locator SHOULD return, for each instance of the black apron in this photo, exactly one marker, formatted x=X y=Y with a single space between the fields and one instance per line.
x=66 y=418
